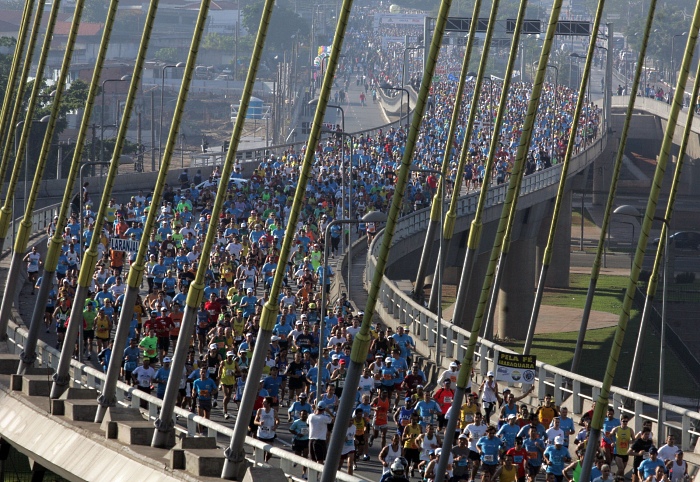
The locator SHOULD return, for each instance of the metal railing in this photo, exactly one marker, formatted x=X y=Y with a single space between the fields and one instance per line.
x=397 y=307
x=84 y=376
x=40 y=221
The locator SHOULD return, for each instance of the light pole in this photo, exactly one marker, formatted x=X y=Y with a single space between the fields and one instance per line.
x=554 y=110
x=627 y=210
x=162 y=88
x=441 y=262
x=574 y=55
x=673 y=52
x=123 y=78
x=370 y=217
x=408 y=101
x=405 y=62
x=20 y=124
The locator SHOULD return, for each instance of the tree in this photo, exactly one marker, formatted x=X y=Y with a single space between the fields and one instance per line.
x=167 y=55
x=73 y=99
x=95 y=11
x=8 y=44
x=283 y=25
x=217 y=41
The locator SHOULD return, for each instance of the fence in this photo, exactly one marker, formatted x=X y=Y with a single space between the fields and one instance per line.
x=397 y=307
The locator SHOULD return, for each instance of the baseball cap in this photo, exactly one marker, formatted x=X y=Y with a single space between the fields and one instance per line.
x=342 y=362
x=454 y=364
x=408 y=399
x=334 y=357
x=275 y=338
x=321 y=405
x=303 y=395
x=653 y=450
x=447 y=380
x=559 y=440
x=164 y=309
x=511 y=416
x=489 y=374
x=463 y=436
x=230 y=353
x=387 y=360
x=213 y=346
x=167 y=359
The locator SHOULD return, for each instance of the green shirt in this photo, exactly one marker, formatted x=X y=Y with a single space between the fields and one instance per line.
x=89 y=319
x=149 y=344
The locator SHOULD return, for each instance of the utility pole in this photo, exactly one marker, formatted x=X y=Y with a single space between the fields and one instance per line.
x=153 y=132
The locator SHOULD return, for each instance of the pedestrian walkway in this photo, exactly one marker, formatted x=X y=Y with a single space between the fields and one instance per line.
x=357 y=117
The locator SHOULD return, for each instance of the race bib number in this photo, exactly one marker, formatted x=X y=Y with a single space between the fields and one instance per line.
x=532 y=455
x=645 y=455
x=265 y=430
x=623 y=444
x=427 y=419
x=212 y=370
x=448 y=399
x=204 y=394
x=488 y=458
x=305 y=431
x=230 y=373
x=341 y=383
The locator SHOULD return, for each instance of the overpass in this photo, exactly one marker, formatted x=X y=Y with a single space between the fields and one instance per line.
x=37 y=428
x=396 y=307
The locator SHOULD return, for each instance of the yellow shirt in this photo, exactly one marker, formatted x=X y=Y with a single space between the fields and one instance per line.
x=411 y=432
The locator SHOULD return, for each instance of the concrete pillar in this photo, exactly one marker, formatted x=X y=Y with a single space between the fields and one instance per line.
x=560 y=266
x=477 y=279
x=38 y=471
x=516 y=295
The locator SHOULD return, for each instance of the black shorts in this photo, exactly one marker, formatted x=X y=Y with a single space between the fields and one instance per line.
x=474 y=456
x=360 y=440
x=533 y=470
x=412 y=455
x=204 y=404
x=489 y=469
x=624 y=458
x=317 y=450
x=60 y=329
x=164 y=343
x=50 y=309
x=300 y=446
x=88 y=335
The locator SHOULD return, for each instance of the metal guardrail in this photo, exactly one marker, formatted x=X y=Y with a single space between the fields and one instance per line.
x=84 y=376
x=398 y=307
x=40 y=221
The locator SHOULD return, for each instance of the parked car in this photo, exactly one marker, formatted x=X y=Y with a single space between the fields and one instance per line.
x=684 y=240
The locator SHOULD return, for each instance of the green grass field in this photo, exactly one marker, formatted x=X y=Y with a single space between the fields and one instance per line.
x=558 y=348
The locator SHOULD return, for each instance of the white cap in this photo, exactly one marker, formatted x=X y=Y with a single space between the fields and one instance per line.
x=167 y=359
x=213 y=346
x=558 y=440
x=388 y=360
x=489 y=374
x=511 y=416
x=454 y=364
x=230 y=353
x=275 y=338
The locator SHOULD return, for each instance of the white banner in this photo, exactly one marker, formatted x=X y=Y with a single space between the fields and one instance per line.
x=118 y=244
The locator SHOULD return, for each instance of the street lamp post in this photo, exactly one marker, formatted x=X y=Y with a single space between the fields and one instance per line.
x=19 y=125
x=554 y=111
x=437 y=281
x=408 y=101
x=123 y=78
x=404 y=74
x=370 y=217
x=627 y=210
x=673 y=69
x=162 y=89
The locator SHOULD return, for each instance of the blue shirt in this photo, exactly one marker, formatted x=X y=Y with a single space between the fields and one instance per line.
x=204 y=388
x=507 y=433
x=297 y=407
x=490 y=448
x=272 y=385
x=648 y=467
x=557 y=459
x=534 y=451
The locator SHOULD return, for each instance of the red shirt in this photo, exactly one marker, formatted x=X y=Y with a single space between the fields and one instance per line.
x=161 y=325
x=214 y=309
x=444 y=397
x=519 y=459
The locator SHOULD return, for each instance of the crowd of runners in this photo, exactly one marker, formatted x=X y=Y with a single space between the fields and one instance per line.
x=395 y=409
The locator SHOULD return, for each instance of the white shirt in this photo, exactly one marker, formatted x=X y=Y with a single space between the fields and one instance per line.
x=144 y=376
x=667 y=452
x=349 y=443
x=475 y=432
x=318 y=426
